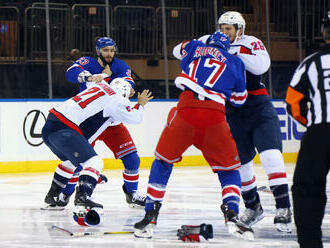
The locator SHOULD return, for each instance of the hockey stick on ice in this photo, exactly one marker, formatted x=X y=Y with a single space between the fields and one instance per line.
x=80 y=234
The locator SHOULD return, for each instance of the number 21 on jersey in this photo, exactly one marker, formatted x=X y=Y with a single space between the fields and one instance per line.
x=218 y=68
x=86 y=97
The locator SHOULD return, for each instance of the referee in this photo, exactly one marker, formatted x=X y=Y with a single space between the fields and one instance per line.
x=308 y=101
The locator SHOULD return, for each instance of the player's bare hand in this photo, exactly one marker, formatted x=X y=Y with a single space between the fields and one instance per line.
x=144 y=97
x=95 y=78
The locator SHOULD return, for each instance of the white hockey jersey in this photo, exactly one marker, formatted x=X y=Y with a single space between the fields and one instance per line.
x=94 y=109
x=246 y=46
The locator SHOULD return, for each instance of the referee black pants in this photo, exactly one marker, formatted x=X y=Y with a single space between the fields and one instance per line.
x=309 y=185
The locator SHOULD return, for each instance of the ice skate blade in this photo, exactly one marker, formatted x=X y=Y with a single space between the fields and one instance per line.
x=233 y=229
x=136 y=206
x=52 y=208
x=282 y=227
x=146 y=233
x=256 y=220
x=246 y=235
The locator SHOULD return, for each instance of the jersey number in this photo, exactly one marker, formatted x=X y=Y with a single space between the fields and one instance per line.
x=257 y=46
x=218 y=68
x=87 y=97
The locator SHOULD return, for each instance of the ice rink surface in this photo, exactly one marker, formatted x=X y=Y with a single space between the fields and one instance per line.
x=193 y=197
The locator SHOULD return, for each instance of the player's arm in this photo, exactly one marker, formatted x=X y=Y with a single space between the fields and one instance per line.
x=79 y=72
x=132 y=115
x=296 y=96
x=239 y=93
x=254 y=55
x=204 y=38
x=125 y=73
x=178 y=50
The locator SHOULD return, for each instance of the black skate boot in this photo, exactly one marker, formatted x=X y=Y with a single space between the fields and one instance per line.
x=63 y=200
x=282 y=220
x=134 y=200
x=235 y=226
x=83 y=200
x=144 y=228
x=52 y=199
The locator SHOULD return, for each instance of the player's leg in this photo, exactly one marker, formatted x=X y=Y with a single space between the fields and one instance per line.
x=87 y=182
x=268 y=141
x=175 y=139
x=309 y=185
x=67 y=144
x=54 y=198
x=219 y=149
x=246 y=149
x=64 y=170
x=71 y=185
x=253 y=212
x=120 y=142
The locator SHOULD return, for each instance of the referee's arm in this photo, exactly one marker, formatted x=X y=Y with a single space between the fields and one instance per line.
x=296 y=96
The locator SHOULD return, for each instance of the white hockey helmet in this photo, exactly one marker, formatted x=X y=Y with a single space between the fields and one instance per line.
x=121 y=86
x=234 y=18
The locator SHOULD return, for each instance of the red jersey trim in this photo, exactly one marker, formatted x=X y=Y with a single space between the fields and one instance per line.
x=65 y=121
x=245 y=50
x=258 y=92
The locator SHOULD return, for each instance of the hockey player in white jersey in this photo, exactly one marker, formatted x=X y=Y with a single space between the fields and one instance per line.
x=72 y=126
x=261 y=129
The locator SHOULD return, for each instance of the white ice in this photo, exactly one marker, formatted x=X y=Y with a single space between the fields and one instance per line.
x=193 y=197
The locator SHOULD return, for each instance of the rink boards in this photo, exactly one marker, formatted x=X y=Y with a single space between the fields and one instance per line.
x=22 y=148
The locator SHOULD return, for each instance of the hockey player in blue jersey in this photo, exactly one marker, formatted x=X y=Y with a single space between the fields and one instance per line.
x=116 y=138
x=210 y=77
x=261 y=130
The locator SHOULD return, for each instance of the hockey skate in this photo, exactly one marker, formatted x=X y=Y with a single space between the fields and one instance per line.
x=235 y=226
x=83 y=202
x=282 y=220
x=144 y=228
x=134 y=200
x=252 y=215
x=55 y=200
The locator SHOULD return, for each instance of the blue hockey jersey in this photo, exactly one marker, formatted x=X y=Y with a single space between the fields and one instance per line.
x=118 y=67
x=213 y=73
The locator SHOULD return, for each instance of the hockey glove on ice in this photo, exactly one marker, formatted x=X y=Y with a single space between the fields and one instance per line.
x=189 y=233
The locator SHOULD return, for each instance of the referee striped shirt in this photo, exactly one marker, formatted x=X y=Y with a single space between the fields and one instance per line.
x=308 y=96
